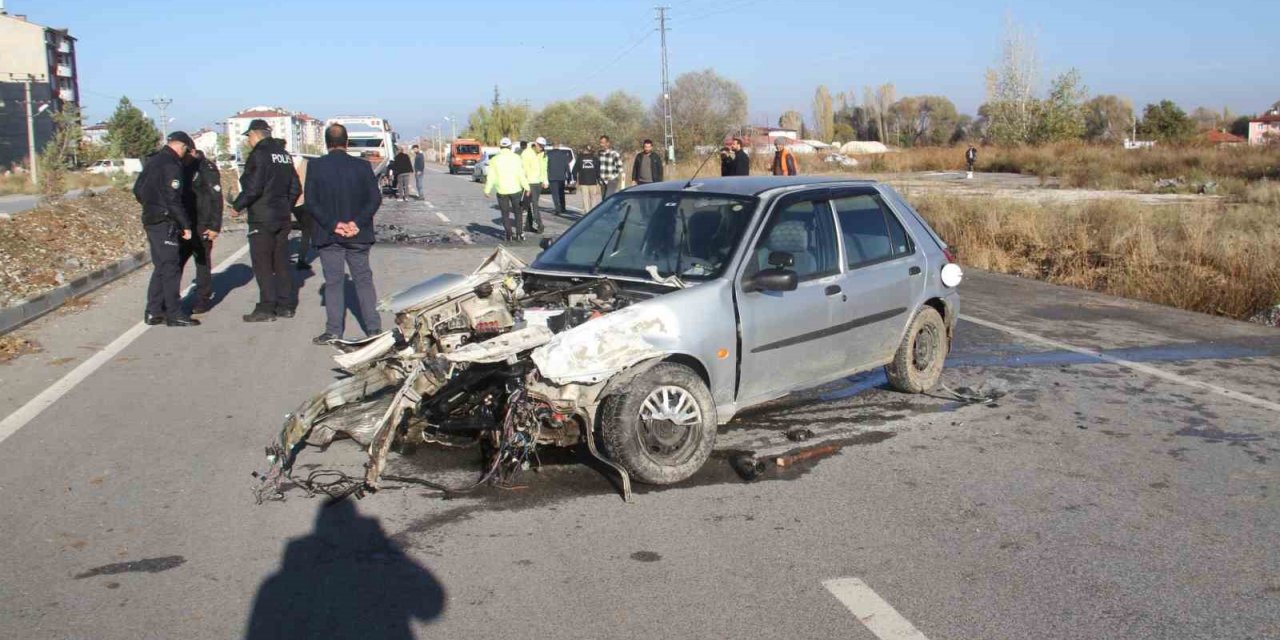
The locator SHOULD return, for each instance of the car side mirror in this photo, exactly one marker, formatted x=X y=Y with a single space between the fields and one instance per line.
x=782 y=259
x=545 y=242
x=772 y=280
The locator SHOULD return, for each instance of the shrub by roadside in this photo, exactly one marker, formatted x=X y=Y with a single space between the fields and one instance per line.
x=1214 y=257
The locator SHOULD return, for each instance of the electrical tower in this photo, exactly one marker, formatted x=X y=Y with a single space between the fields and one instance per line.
x=668 y=130
x=163 y=104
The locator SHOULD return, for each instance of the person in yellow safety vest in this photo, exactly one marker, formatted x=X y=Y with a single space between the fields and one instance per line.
x=506 y=175
x=535 y=171
x=784 y=162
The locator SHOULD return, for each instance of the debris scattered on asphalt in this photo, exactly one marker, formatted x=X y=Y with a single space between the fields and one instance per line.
x=799 y=434
x=1269 y=317
x=53 y=244
x=12 y=346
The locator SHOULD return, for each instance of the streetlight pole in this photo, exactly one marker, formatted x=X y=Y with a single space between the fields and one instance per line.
x=26 y=80
x=453 y=128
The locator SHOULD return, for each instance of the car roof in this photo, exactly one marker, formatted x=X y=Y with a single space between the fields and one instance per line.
x=750 y=185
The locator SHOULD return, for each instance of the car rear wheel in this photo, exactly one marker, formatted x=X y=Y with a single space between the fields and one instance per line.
x=917 y=366
x=662 y=427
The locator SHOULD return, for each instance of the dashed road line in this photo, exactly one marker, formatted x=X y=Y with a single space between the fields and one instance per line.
x=443 y=217
x=872 y=611
x=27 y=412
x=1136 y=366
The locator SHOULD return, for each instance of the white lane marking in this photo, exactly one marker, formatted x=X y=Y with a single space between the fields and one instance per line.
x=1136 y=366
x=871 y=610
x=429 y=205
x=443 y=217
x=54 y=392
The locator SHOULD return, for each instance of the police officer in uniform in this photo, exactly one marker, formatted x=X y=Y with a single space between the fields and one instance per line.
x=167 y=223
x=203 y=195
x=269 y=187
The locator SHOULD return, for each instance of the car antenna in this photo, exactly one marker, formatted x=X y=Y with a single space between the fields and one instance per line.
x=704 y=163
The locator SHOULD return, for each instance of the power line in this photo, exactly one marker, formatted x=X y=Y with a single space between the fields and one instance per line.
x=636 y=42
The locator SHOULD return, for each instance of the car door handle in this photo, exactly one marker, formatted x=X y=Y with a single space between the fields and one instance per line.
x=832 y=289
x=913 y=271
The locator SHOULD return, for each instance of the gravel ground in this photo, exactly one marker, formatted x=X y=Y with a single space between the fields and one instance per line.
x=46 y=247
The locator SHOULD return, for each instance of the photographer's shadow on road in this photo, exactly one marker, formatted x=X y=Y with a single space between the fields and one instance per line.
x=224 y=282
x=345 y=580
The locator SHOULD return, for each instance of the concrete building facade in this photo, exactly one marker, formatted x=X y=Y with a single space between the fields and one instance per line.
x=27 y=50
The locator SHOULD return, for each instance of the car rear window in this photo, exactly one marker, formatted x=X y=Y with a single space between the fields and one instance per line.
x=871 y=232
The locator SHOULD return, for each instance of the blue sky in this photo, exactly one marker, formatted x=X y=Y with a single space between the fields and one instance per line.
x=415 y=61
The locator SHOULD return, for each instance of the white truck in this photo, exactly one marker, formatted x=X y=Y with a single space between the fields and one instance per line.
x=369 y=137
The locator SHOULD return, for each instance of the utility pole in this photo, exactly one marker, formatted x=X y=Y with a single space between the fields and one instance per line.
x=26 y=80
x=162 y=104
x=668 y=133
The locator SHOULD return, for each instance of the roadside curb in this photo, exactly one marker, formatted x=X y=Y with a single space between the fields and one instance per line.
x=13 y=317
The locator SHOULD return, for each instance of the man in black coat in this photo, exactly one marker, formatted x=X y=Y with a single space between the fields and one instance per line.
x=269 y=187
x=559 y=171
x=402 y=172
x=734 y=161
x=342 y=195
x=647 y=166
x=167 y=222
x=203 y=192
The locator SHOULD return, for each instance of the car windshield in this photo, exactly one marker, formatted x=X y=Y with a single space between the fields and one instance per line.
x=365 y=143
x=467 y=148
x=690 y=235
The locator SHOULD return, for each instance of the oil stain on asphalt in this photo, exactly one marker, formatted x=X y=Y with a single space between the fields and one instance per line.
x=146 y=565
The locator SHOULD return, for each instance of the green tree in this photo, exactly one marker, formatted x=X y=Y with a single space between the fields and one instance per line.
x=626 y=114
x=1061 y=115
x=59 y=151
x=705 y=107
x=844 y=132
x=823 y=114
x=1240 y=126
x=1107 y=118
x=130 y=134
x=924 y=120
x=574 y=122
x=1166 y=122
x=498 y=120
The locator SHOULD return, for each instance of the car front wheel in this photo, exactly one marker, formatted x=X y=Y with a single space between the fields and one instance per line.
x=917 y=366
x=662 y=427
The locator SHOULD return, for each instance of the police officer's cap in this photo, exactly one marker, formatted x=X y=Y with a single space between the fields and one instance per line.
x=181 y=136
x=258 y=124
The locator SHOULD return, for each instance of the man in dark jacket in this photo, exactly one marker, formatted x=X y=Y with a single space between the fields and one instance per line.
x=167 y=223
x=970 y=159
x=269 y=187
x=647 y=167
x=559 y=171
x=203 y=192
x=586 y=172
x=402 y=172
x=342 y=196
x=419 y=168
x=733 y=160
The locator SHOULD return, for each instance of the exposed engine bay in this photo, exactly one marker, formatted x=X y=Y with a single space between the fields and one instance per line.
x=489 y=359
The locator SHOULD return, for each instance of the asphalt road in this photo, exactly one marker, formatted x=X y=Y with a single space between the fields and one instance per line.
x=15 y=203
x=1125 y=487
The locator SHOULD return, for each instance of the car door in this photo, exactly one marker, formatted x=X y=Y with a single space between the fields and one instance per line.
x=884 y=276
x=785 y=334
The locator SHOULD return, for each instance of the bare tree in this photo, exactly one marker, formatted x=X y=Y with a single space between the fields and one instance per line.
x=824 y=114
x=705 y=106
x=791 y=120
x=1011 y=86
x=884 y=98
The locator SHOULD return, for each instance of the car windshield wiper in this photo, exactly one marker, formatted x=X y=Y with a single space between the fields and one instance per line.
x=595 y=266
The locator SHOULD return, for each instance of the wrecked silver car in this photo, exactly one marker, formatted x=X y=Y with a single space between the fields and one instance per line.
x=654 y=319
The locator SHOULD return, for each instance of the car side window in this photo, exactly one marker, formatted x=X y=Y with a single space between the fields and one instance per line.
x=871 y=232
x=805 y=230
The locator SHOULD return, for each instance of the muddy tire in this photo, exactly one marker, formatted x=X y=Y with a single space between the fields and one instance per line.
x=662 y=427
x=918 y=363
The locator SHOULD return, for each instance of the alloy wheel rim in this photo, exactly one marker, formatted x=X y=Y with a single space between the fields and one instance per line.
x=670 y=420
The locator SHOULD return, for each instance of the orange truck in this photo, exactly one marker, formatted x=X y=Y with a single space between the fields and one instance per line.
x=464 y=154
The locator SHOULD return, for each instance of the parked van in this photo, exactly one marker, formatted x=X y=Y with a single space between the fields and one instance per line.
x=464 y=153
x=120 y=165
